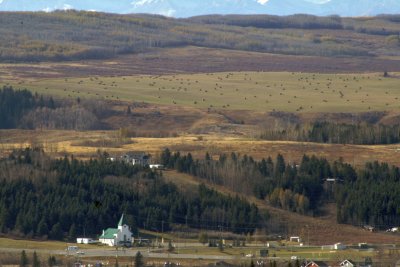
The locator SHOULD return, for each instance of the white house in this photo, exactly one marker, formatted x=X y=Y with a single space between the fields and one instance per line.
x=85 y=240
x=156 y=166
x=347 y=263
x=393 y=230
x=339 y=246
x=295 y=239
x=121 y=236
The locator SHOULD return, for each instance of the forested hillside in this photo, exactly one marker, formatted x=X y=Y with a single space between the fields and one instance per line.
x=367 y=195
x=72 y=35
x=338 y=133
x=60 y=199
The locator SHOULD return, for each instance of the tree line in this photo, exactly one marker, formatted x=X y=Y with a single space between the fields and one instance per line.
x=16 y=103
x=337 y=133
x=298 y=21
x=282 y=184
x=368 y=195
x=65 y=198
x=372 y=198
x=23 y=109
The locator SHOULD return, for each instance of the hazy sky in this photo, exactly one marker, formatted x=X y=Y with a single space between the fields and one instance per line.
x=186 y=8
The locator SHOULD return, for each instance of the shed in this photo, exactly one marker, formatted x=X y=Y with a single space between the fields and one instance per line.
x=85 y=240
x=295 y=239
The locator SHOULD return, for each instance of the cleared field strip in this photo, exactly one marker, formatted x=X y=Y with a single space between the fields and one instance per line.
x=258 y=91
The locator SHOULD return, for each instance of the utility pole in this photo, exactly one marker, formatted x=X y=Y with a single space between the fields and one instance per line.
x=221 y=247
x=162 y=232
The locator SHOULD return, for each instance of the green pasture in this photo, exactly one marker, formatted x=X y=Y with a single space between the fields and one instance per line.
x=259 y=91
x=284 y=253
x=31 y=244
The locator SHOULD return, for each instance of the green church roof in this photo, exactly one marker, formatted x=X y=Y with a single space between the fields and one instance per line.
x=109 y=233
x=122 y=221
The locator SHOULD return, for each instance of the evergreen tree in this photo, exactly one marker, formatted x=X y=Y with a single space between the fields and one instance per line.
x=42 y=228
x=170 y=246
x=23 y=260
x=139 y=262
x=72 y=232
x=220 y=245
x=35 y=260
x=4 y=218
x=279 y=166
x=51 y=261
x=203 y=238
x=56 y=232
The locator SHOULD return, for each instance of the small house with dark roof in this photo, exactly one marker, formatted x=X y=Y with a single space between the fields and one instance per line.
x=136 y=158
x=120 y=236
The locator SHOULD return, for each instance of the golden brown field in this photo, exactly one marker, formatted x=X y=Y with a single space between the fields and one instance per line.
x=59 y=143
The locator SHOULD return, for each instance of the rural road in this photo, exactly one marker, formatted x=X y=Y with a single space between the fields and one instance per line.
x=106 y=252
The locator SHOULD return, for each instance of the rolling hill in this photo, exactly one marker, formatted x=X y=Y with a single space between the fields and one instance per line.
x=74 y=35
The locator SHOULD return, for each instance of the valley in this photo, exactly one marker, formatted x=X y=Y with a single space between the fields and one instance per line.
x=256 y=128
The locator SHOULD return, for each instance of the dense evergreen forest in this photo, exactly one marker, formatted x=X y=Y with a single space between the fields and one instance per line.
x=74 y=35
x=364 y=196
x=22 y=109
x=338 y=133
x=372 y=198
x=64 y=198
x=14 y=104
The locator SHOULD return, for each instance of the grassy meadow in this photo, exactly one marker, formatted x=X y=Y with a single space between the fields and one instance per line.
x=59 y=143
x=258 y=91
x=31 y=244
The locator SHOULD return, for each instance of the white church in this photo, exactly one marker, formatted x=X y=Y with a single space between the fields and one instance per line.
x=121 y=236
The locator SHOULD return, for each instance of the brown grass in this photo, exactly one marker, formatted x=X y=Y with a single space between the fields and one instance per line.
x=196 y=60
x=60 y=142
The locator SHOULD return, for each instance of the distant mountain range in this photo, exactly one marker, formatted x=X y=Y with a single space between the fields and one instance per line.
x=188 y=8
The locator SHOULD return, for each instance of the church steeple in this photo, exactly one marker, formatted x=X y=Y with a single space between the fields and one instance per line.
x=122 y=221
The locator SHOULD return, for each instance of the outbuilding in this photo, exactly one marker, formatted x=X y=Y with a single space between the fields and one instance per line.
x=85 y=240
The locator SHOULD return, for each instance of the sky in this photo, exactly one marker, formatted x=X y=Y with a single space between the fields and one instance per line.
x=187 y=8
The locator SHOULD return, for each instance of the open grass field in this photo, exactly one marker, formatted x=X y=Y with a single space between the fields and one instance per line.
x=191 y=249
x=257 y=91
x=30 y=244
